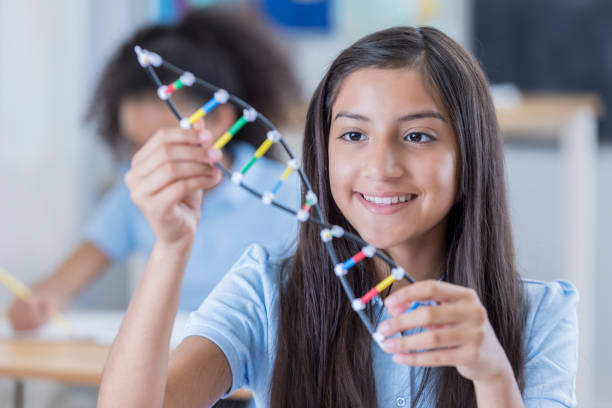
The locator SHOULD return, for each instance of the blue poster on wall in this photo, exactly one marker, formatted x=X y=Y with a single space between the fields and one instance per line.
x=298 y=13
x=309 y=14
x=171 y=10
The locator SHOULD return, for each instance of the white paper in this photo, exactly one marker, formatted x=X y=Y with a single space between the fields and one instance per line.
x=87 y=325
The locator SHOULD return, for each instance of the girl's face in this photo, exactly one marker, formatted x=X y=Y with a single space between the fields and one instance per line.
x=141 y=115
x=393 y=157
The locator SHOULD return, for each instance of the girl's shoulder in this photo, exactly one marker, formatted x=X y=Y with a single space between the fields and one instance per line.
x=240 y=315
x=258 y=258
x=548 y=295
x=250 y=288
x=551 y=306
x=257 y=272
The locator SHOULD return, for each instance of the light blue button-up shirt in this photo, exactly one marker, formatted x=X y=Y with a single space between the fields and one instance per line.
x=241 y=317
x=231 y=220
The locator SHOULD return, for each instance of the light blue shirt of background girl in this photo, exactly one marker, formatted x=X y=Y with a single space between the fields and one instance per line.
x=231 y=220
x=241 y=317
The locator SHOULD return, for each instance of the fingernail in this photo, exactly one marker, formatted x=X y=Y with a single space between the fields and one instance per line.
x=390 y=301
x=388 y=346
x=383 y=328
x=215 y=154
x=204 y=136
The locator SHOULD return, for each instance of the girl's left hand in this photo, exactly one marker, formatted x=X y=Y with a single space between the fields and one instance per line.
x=458 y=331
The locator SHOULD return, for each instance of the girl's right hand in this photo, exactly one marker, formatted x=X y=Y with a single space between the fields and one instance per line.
x=30 y=313
x=168 y=178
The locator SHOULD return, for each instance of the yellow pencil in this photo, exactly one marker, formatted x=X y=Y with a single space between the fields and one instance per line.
x=23 y=292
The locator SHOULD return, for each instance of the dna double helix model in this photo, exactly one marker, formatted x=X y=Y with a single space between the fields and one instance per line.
x=150 y=61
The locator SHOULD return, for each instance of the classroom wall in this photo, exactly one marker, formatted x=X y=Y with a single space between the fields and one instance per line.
x=537 y=190
x=52 y=167
x=42 y=173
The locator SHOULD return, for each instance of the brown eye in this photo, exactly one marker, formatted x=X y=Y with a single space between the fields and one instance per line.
x=353 y=136
x=418 y=137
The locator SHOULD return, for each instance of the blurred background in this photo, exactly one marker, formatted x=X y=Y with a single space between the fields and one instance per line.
x=550 y=63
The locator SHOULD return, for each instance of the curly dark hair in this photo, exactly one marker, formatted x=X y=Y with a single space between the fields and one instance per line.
x=225 y=46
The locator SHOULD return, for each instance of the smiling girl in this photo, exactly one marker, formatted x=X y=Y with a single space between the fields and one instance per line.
x=402 y=147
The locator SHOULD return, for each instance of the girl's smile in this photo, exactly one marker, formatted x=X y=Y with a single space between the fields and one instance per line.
x=385 y=202
x=393 y=161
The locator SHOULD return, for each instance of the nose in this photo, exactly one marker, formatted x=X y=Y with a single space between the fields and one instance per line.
x=382 y=161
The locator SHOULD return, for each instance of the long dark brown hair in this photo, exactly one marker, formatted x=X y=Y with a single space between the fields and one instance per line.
x=324 y=354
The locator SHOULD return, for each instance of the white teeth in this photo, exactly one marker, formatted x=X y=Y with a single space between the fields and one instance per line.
x=387 y=200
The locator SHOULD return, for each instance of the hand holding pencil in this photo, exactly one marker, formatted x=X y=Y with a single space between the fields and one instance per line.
x=30 y=310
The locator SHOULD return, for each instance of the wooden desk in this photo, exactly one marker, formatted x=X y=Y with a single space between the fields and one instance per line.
x=68 y=362
x=569 y=121
x=545 y=116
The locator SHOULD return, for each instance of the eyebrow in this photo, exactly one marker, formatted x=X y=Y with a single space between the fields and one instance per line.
x=405 y=118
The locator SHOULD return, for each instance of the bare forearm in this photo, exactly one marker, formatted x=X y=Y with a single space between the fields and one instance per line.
x=136 y=370
x=500 y=392
x=81 y=268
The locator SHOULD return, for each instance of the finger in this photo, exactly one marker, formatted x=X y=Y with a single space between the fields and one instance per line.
x=203 y=133
x=433 y=339
x=172 y=172
x=401 y=309
x=178 y=190
x=164 y=136
x=26 y=314
x=432 y=316
x=433 y=358
x=429 y=290
x=174 y=153
x=45 y=309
